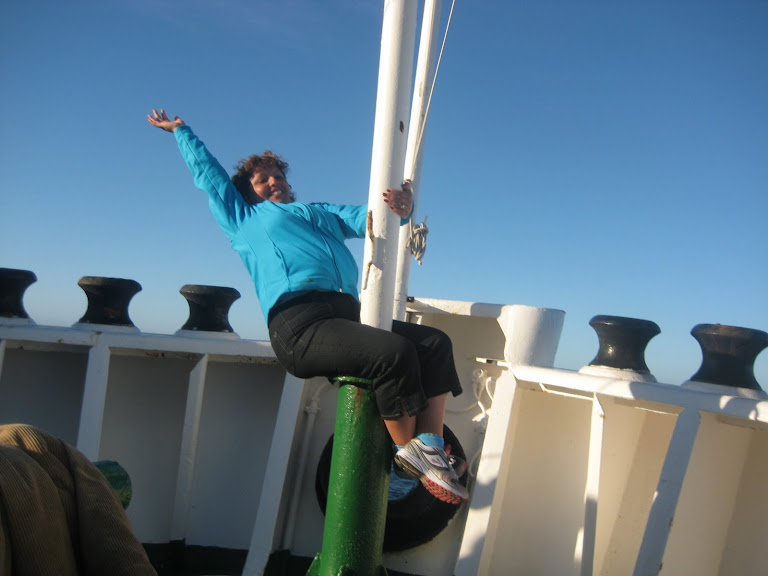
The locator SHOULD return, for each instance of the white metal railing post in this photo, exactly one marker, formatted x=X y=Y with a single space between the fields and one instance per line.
x=592 y=488
x=265 y=538
x=654 y=543
x=188 y=452
x=94 y=399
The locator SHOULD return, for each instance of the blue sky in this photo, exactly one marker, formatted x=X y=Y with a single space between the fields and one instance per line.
x=599 y=157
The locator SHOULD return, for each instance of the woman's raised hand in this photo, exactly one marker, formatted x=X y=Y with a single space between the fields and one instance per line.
x=160 y=120
x=400 y=201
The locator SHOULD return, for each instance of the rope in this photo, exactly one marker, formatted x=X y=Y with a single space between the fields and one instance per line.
x=417 y=240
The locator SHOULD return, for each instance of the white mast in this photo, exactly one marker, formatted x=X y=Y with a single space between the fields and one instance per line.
x=388 y=158
x=416 y=132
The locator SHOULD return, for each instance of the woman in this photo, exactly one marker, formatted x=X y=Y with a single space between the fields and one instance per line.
x=306 y=281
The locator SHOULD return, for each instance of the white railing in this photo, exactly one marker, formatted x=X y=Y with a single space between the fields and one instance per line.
x=599 y=471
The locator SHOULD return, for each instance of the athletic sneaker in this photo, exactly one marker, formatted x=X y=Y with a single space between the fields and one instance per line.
x=431 y=466
x=459 y=466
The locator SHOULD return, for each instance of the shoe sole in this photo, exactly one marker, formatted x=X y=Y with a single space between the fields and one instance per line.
x=440 y=492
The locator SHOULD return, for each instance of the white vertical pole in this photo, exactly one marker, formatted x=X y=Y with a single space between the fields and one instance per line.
x=654 y=543
x=94 y=400
x=592 y=489
x=416 y=132
x=478 y=542
x=188 y=453
x=265 y=537
x=388 y=160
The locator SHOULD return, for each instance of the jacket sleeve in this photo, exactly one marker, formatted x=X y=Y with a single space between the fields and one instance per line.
x=354 y=219
x=225 y=201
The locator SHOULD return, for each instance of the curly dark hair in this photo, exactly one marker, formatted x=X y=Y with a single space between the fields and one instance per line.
x=246 y=168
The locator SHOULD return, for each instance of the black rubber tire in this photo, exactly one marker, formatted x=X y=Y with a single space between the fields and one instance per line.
x=412 y=520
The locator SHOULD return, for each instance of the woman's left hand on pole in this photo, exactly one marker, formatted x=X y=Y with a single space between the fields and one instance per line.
x=400 y=201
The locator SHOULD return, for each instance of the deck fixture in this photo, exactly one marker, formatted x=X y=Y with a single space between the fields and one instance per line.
x=108 y=300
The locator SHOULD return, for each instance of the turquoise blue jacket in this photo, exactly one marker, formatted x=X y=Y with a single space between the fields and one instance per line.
x=288 y=249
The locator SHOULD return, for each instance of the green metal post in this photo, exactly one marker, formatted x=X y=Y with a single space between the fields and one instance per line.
x=356 y=511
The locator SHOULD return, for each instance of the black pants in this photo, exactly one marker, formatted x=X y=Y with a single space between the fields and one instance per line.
x=320 y=334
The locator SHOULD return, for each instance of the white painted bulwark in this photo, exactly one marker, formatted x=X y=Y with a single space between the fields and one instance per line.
x=573 y=473
x=607 y=476
x=190 y=419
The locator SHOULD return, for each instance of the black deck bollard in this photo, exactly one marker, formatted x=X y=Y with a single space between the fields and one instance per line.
x=622 y=343
x=209 y=307
x=13 y=284
x=108 y=300
x=728 y=354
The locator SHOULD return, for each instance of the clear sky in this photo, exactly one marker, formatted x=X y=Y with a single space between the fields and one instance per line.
x=595 y=156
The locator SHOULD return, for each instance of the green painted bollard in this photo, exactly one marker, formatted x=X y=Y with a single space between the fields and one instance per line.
x=356 y=511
